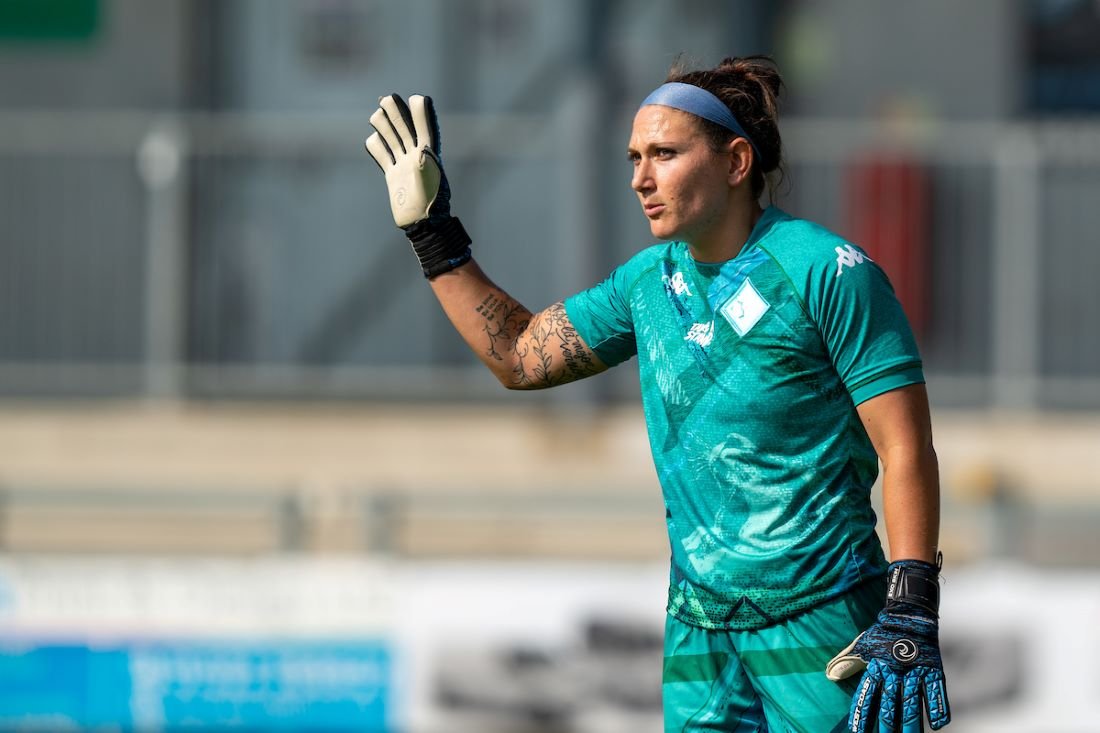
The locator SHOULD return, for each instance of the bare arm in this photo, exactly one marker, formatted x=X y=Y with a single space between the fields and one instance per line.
x=523 y=350
x=900 y=428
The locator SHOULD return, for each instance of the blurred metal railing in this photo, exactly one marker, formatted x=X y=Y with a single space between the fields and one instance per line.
x=387 y=523
x=390 y=523
x=232 y=256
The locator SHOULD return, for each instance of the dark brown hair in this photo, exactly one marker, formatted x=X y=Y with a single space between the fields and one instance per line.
x=750 y=87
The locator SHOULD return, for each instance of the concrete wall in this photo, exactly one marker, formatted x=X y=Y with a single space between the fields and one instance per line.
x=508 y=480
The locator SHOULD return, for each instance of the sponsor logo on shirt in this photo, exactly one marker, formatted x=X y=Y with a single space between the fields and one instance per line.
x=701 y=333
x=677 y=283
x=745 y=309
x=848 y=256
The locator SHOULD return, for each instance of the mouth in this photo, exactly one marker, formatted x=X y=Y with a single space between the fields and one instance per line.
x=653 y=210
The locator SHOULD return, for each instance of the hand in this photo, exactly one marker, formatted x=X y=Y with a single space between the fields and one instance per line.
x=406 y=146
x=900 y=654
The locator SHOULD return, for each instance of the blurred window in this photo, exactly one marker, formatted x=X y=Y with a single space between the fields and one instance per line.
x=1065 y=55
x=334 y=34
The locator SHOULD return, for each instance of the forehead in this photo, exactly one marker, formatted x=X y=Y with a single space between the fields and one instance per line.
x=658 y=123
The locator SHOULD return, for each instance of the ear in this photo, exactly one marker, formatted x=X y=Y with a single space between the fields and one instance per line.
x=740 y=161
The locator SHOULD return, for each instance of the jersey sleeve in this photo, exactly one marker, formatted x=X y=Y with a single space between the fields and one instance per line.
x=865 y=330
x=603 y=318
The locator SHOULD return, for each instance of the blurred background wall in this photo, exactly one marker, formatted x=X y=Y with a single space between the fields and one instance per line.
x=216 y=348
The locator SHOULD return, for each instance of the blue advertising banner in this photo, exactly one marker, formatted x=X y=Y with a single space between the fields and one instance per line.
x=166 y=685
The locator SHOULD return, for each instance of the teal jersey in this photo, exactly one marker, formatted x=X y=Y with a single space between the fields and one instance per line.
x=751 y=371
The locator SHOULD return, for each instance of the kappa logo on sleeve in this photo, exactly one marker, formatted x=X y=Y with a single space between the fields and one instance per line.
x=745 y=309
x=849 y=256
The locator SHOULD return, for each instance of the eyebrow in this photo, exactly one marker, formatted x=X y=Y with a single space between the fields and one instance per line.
x=630 y=150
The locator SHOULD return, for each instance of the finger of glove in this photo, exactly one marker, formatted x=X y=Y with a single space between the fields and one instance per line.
x=841 y=667
x=935 y=696
x=401 y=119
x=845 y=663
x=889 y=704
x=865 y=702
x=381 y=152
x=384 y=125
x=427 y=123
x=912 y=703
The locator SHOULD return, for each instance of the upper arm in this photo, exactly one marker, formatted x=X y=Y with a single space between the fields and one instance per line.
x=586 y=334
x=872 y=348
x=549 y=352
x=862 y=324
x=898 y=422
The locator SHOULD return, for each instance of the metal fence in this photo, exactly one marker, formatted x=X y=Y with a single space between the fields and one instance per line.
x=242 y=256
x=601 y=524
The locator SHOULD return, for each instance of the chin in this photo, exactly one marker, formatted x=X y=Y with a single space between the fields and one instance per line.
x=662 y=230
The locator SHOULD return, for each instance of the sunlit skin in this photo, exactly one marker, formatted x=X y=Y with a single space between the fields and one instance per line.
x=689 y=191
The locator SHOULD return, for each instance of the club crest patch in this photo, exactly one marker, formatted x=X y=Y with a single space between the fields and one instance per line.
x=745 y=309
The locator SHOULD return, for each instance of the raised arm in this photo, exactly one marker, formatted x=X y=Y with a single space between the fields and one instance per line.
x=523 y=350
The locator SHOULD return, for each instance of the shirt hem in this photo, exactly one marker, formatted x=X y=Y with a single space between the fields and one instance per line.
x=798 y=609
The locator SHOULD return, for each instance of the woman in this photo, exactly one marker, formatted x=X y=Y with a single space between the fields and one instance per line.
x=777 y=369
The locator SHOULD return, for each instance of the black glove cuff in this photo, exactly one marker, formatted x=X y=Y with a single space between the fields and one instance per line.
x=915 y=582
x=441 y=246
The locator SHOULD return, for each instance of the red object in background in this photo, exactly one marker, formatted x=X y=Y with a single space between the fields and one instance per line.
x=888 y=217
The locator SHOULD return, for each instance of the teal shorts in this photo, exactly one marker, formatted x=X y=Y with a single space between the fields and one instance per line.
x=770 y=679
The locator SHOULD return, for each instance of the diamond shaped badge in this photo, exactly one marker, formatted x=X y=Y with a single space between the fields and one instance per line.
x=745 y=308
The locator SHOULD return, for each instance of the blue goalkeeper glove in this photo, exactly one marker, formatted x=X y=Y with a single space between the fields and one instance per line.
x=899 y=657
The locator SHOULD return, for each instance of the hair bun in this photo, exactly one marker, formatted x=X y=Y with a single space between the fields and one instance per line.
x=750 y=86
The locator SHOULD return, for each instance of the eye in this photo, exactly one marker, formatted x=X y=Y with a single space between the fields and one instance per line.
x=633 y=157
x=663 y=153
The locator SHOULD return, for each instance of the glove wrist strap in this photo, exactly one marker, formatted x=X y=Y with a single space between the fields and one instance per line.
x=441 y=246
x=915 y=582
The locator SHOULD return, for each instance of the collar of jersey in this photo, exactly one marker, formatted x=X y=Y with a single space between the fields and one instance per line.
x=771 y=215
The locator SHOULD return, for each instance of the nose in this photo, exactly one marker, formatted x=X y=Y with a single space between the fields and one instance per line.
x=642 y=179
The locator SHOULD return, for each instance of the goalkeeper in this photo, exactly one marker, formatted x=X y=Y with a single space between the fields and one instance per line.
x=777 y=369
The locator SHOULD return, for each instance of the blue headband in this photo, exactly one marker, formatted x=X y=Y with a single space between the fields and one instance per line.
x=701 y=103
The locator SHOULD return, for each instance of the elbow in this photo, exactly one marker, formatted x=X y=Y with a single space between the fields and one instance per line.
x=510 y=383
x=508 y=379
x=922 y=456
x=516 y=380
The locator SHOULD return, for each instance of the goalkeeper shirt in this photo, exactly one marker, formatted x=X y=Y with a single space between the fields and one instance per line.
x=750 y=373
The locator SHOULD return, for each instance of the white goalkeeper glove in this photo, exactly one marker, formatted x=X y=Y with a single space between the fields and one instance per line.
x=406 y=146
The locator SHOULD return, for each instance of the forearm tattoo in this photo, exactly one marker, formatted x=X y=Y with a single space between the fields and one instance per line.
x=546 y=349
x=505 y=319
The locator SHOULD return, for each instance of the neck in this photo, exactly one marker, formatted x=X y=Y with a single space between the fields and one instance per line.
x=724 y=240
